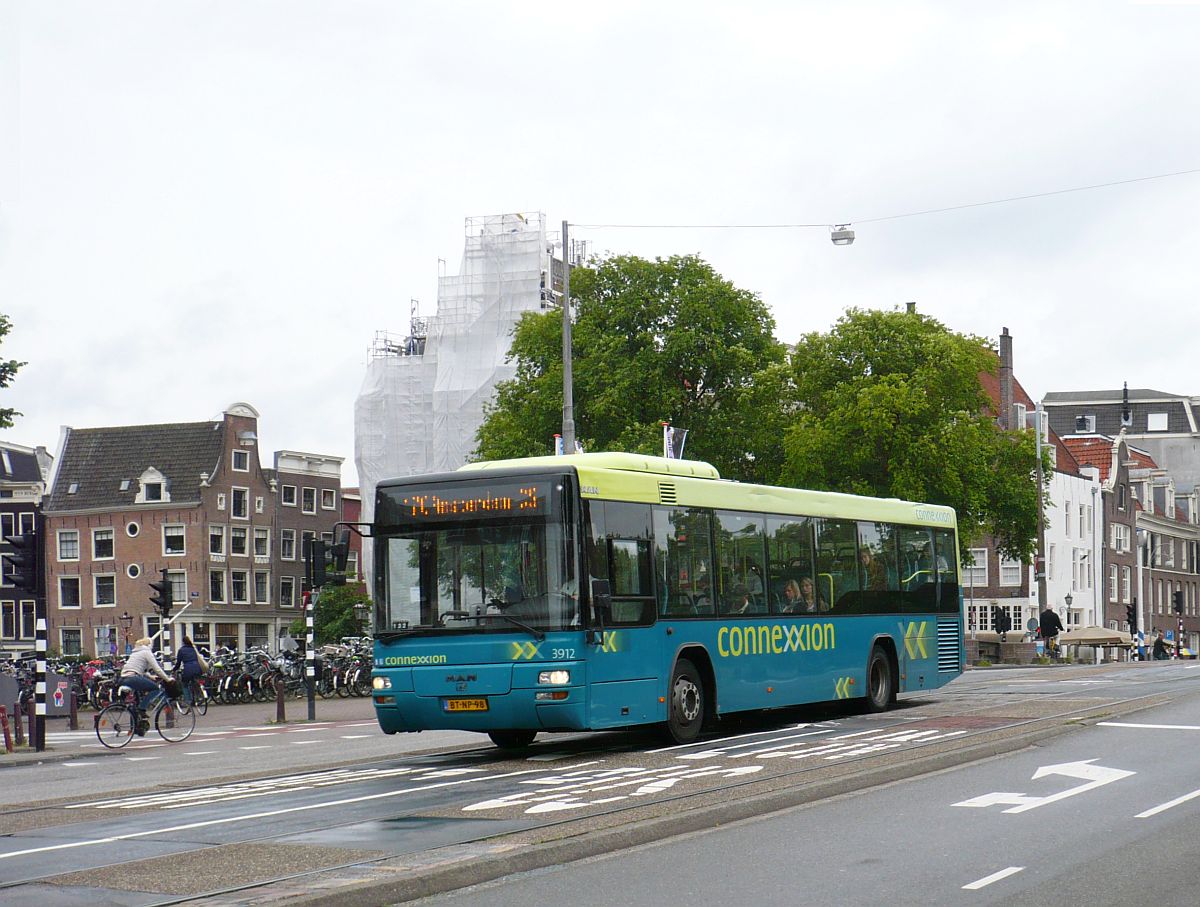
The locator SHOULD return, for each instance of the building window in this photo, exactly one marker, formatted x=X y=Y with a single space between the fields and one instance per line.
x=1082 y=522
x=71 y=640
x=216 y=586
x=8 y=524
x=288 y=493
x=259 y=504
x=102 y=544
x=309 y=501
x=262 y=587
x=227 y=636
x=1067 y=519
x=174 y=540
x=1112 y=582
x=328 y=499
x=257 y=636
x=1010 y=572
x=241 y=504
x=8 y=619
x=237 y=541
x=1121 y=496
x=287 y=544
x=241 y=461
x=179 y=589
x=1156 y=422
x=152 y=491
x=220 y=501
x=352 y=566
x=1126 y=587
x=68 y=591
x=1050 y=562
x=68 y=544
x=238 y=587
x=1168 y=553
x=200 y=634
x=1120 y=537
x=106 y=590
x=216 y=540
x=977 y=573
x=28 y=619
x=262 y=542
x=132 y=530
x=287 y=592
x=133 y=571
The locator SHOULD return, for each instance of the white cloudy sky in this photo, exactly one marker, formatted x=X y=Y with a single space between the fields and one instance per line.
x=203 y=202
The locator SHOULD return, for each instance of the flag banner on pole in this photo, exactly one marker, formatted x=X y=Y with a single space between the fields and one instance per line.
x=558 y=445
x=673 y=441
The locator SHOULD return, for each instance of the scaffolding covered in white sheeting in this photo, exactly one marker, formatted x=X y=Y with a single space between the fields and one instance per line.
x=422 y=399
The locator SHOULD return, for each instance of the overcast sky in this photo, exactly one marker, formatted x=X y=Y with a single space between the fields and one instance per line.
x=208 y=202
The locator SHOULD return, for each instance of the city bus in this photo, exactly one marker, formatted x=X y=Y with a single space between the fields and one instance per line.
x=605 y=590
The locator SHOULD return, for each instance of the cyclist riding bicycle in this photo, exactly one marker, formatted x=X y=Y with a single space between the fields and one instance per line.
x=191 y=665
x=139 y=671
x=1050 y=626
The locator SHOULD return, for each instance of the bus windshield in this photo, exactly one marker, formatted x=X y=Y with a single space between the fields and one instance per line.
x=472 y=573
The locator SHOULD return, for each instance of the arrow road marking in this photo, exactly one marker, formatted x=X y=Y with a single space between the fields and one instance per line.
x=1094 y=775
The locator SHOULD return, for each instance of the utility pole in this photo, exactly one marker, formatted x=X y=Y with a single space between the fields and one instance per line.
x=568 y=420
x=1040 y=569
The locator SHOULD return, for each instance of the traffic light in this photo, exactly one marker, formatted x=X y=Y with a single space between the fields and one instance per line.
x=23 y=561
x=1131 y=617
x=1177 y=598
x=162 y=594
x=326 y=562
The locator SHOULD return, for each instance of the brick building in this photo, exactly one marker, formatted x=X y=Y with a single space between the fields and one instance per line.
x=23 y=473
x=192 y=498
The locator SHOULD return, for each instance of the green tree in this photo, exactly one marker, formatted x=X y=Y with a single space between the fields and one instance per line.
x=892 y=405
x=334 y=617
x=652 y=341
x=8 y=371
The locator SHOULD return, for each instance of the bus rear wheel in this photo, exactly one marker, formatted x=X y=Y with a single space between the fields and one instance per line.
x=685 y=714
x=881 y=682
x=512 y=740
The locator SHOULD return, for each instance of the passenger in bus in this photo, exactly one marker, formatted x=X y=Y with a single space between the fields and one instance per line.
x=740 y=600
x=871 y=572
x=810 y=601
x=791 y=598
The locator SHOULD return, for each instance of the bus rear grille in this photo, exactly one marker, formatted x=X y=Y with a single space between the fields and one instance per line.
x=949 y=646
x=666 y=493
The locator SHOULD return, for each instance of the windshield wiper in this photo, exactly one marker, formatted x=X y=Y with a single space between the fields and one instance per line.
x=466 y=615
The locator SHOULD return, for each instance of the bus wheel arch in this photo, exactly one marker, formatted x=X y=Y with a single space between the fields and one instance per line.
x=691 y=694
x=883 y=675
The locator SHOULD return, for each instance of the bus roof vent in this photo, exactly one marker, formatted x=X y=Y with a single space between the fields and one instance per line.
x=666 y=493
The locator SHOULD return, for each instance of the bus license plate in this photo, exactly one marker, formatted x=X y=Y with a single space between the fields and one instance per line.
x=466 y=705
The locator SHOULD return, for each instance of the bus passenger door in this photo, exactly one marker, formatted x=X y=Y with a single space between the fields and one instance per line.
x=624 y=652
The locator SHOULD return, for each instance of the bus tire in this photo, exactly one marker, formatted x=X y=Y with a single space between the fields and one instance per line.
x=685 y=703
x=881 y=682
x=512 y=740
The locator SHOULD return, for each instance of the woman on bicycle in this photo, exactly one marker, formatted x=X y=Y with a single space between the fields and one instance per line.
x=191 y=665
x=139 y=671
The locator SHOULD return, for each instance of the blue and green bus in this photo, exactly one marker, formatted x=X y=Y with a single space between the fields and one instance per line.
x=605 y=590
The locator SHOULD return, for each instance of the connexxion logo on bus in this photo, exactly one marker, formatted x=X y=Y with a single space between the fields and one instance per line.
x=775 y=639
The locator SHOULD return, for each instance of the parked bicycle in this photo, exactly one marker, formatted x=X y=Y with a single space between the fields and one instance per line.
x=174 y=719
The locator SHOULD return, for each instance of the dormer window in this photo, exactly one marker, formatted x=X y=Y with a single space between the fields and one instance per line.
x=1156 y=422
x=152 y=488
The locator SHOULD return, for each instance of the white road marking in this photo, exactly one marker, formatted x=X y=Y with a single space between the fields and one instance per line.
x=263 y=746
x=255 y=816
x=356 y=736
x=200 y=753
x=1151 y=727
x=268 y=734
x=81 y=762
x=1165 y=806
x=141 y=758
x=684 y=746
x=302 y=742
x=994 y=877
x=1094 y=775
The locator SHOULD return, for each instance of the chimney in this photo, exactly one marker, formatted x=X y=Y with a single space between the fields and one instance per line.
x=1006 y=382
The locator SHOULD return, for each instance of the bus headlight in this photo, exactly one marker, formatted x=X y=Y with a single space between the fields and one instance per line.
x=381 y=683
x=555 y=678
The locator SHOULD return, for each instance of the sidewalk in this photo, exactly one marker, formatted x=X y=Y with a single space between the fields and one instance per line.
x=63 y=743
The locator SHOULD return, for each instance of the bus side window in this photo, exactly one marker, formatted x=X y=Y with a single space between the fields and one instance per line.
x=917 y=578
x=945 y=555
x=632 y=581
x=837 y=558
x=683 y=561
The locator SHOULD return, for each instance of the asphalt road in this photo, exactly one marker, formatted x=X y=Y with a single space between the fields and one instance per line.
x=261 y=806
x=1106 y=815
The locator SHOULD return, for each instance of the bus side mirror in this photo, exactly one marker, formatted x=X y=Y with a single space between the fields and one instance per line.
x=601 y=606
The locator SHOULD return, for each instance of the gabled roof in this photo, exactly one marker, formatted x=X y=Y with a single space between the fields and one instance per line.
x=19 y=465
x=97 y=460
x=1117 y=396
x=1064 y=459
x=1096 y=450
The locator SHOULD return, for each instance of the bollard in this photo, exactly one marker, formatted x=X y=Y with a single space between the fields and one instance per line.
x=8 y=743
x=279 y=712
x=73 y=721
x=17 y=725
x=31 y=707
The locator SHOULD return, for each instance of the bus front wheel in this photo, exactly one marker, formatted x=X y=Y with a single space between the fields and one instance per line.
x=686 y=711
x=512 y=740
x=881 y=682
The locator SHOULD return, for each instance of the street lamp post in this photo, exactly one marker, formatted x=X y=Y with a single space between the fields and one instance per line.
x=568 y=412
x=126 y=622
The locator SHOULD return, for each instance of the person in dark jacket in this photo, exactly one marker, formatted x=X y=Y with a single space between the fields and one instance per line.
x=191 y=662
x=1160 y=648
